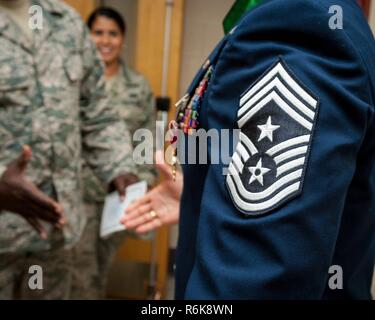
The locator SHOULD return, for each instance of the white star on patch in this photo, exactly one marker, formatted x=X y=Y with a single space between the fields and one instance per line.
x=267 y=130
x=258 y=172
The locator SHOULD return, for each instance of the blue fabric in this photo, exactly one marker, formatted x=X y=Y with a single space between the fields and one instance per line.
x=286 y=254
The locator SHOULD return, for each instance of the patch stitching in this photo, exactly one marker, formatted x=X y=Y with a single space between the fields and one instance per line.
x=295 y=187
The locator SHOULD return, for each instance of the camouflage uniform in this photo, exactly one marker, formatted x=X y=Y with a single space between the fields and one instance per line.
x=130 y=94
x=52 y=97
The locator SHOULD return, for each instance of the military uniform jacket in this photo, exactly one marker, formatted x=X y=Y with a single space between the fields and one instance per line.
x=136 y=107
x=131 y=95
x=298 y=195
x=52 y=97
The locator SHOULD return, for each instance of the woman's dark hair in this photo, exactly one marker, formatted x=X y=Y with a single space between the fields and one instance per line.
x=110 y=14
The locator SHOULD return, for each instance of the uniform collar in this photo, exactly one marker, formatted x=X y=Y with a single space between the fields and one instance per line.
x=126 y=72
x=10 y=30
x=4 y=21
x=50 y=8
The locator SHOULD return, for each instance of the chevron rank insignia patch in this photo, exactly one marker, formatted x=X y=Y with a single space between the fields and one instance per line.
x=276 y=117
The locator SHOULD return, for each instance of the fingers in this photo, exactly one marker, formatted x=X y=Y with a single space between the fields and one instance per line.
x=122 y=182
x=159 y=157
x=24 y=158
x=132 y=209
x=150 y=226
x=38 y=227
x=139 y=217
x=33 y=211
x=139 y=210
x=132 y=179
x=48 y=209
x=163 y=167
x=120 y=188
x=166 y=170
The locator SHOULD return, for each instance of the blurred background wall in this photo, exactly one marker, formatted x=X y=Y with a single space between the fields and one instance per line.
x=372 y=15
x=202 y=30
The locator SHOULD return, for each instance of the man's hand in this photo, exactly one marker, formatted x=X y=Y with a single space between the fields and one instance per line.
x=122 y=182
x=18 y=195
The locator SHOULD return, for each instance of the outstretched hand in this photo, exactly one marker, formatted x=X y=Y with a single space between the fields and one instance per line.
x=160 y=206
x=19 y=195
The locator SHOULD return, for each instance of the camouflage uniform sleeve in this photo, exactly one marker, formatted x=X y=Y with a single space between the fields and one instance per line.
x=107 y=147
x=148 y=172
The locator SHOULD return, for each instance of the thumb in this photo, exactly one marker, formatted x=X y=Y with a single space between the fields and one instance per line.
x=162 y=165
x=24 y=158
x=120 y=186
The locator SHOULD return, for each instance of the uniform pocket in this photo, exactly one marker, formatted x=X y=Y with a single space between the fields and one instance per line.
x=15 y=88
x=71 y=87
x=73 y=66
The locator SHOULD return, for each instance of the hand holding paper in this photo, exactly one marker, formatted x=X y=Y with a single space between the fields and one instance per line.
x=114 y=209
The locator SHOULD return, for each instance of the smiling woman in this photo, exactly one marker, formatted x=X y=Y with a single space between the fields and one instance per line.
x=130 y=95
x=108 y=30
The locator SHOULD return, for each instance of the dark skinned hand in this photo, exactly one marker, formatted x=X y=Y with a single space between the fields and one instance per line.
x=122 y=182
x=19 y=195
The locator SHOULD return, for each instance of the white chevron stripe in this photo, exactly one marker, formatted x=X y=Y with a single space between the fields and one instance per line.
x=252 y=197
x=237 y=161
x=232 y=170
x=253 y=207
x=287 y=94
x=243 y=152
x=290 y=165
x=279 y=69
x=290 y=154
x=287 y=144
x=282 y=104
x=279 y=87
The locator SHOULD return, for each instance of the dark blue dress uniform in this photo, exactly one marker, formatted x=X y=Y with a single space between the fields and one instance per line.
x=299 y=193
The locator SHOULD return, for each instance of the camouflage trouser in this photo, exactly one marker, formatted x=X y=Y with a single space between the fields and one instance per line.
x=56 y=276
x=93 y=258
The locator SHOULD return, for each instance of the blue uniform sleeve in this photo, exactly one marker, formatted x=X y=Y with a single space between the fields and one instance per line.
x=300 y=94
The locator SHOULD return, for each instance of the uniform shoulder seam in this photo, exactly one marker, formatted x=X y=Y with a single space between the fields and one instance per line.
x=359 y=55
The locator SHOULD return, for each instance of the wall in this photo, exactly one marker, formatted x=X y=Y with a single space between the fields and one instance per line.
x=202 y=30
x=84 y=7
x=372 y=16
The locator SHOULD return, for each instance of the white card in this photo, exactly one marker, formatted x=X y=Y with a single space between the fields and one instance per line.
x=114 y=209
